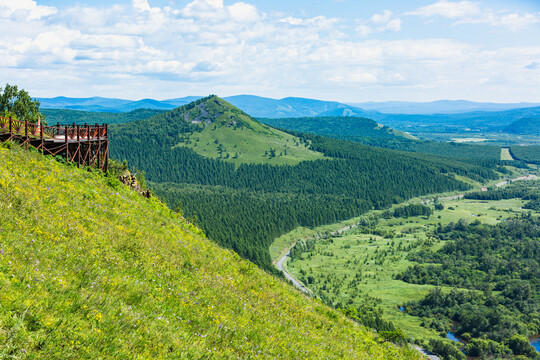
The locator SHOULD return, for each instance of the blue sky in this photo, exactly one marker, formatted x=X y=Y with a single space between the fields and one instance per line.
x=343 y=50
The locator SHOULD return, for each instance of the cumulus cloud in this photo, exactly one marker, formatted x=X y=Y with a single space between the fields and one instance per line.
x=24 y=9
x=449 y=9
x=466 y=12
x=243 y=12
x=136 y=48
x=379 y=23
x=516 y=22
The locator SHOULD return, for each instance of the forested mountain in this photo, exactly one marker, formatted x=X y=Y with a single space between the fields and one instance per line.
x=343 y=127
x=244 y=204
x=524 y=126
x=291 y=107
x=369 y=132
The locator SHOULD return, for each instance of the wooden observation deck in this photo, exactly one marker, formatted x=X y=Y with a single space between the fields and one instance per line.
x=86 y=145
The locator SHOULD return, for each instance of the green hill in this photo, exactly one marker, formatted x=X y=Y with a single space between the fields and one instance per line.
x=90 y=269
x=213 y=128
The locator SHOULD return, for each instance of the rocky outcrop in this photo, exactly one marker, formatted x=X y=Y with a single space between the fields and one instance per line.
x=131 y=180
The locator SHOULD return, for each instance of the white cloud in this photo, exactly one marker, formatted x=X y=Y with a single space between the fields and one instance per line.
x=355 y=77
x=320 y=22
x=209 y=9
x=516 y=22
x=25 y=9
x=466 y=12
x=449 y=9
x=137 y=50
x=243 y=12
x=379 y=23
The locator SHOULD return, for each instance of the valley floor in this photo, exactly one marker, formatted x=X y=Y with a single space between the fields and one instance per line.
x=351 y=266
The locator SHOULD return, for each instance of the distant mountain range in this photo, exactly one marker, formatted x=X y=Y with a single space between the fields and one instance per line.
x=256 y=106
x=99 y=104
x=438 y=107
x=436 y=117
x=287 y=107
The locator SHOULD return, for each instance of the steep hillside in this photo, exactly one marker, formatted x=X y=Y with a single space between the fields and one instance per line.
x=227 y=133
x=90 y=269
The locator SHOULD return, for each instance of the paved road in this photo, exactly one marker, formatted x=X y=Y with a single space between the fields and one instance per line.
x=431 y=356
x=296 y=283
x=521 y=178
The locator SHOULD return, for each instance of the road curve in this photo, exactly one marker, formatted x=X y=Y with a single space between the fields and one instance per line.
x=296 y=283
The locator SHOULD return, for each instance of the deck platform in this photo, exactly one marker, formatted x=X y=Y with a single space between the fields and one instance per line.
x=85 y=145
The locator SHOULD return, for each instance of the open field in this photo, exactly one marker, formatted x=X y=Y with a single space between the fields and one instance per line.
x=505 y=154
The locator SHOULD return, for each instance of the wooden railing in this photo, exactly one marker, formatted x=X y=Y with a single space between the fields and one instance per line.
x=87 y=145
x=58 y=132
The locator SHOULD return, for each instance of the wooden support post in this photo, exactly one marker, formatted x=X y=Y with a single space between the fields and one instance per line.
x=41 y=138
x=67 y=143
x=106 y=133
x=98 y=147
x=26 y=133
x=88 y=148
x=78 y=130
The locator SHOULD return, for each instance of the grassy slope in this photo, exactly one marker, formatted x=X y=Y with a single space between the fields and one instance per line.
x=89 y=269
x=241 y=138
x=246 y=146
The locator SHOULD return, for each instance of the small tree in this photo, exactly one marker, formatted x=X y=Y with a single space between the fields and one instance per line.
x=17 y=103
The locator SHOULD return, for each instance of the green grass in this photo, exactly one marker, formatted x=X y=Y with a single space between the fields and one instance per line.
x=505 y=154
x=90 y=269
x=335 y=262
x=248 y=145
